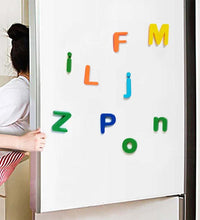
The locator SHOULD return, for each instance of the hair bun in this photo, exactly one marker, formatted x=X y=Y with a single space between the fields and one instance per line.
x=17 y=31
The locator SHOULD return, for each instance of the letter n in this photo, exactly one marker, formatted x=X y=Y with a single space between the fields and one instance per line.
x=157 y=121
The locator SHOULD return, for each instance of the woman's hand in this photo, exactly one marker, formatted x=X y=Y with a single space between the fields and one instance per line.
x=32 y=141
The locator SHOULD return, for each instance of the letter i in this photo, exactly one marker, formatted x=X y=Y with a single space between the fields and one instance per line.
x=128 y=86
x=69 y=62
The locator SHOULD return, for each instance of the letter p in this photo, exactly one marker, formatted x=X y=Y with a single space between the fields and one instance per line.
x=104 y=123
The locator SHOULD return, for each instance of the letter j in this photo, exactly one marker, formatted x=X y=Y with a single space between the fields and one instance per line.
x=128 y=86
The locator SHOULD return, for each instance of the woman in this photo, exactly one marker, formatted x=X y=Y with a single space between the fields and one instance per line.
x=29 y=142
x=14 y=108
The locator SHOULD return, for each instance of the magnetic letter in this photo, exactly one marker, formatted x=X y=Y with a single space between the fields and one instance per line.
x=116 y=40
x=128 y=86
x=104 y=123
x=65 y=116
x=156 y=123
x=129 y=150
x=87 y=77
x=158 y=35
x=69 y=62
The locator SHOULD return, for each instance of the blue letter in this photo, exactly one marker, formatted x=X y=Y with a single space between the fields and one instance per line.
x=104 y=123
x=128 y=86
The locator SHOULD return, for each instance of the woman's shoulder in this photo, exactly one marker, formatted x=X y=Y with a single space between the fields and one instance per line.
x=16 y=89
x=18 y=82
x=16 y=85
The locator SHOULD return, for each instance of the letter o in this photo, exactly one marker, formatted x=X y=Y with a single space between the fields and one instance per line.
x=125 y=146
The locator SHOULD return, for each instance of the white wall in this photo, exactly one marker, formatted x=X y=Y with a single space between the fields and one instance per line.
x=25 y=13
x=10 y=12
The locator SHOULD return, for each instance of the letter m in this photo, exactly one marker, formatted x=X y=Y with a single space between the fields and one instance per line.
x=158 y=35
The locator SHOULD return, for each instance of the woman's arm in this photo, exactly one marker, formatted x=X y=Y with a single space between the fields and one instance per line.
x=31 y=141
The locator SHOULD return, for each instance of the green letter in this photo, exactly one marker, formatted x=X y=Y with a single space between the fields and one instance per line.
x=156 y=123
x=133 y=147
x=64 y=117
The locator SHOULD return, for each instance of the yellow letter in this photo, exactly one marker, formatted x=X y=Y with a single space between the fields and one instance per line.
x=158 y=35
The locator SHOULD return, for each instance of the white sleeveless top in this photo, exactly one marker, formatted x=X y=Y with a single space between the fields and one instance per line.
x=14 y=108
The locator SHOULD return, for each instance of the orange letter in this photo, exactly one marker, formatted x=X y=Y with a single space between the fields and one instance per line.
x=116 y=40
x=87 y=77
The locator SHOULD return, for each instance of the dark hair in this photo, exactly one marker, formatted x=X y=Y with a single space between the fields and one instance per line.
x=19 y=34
